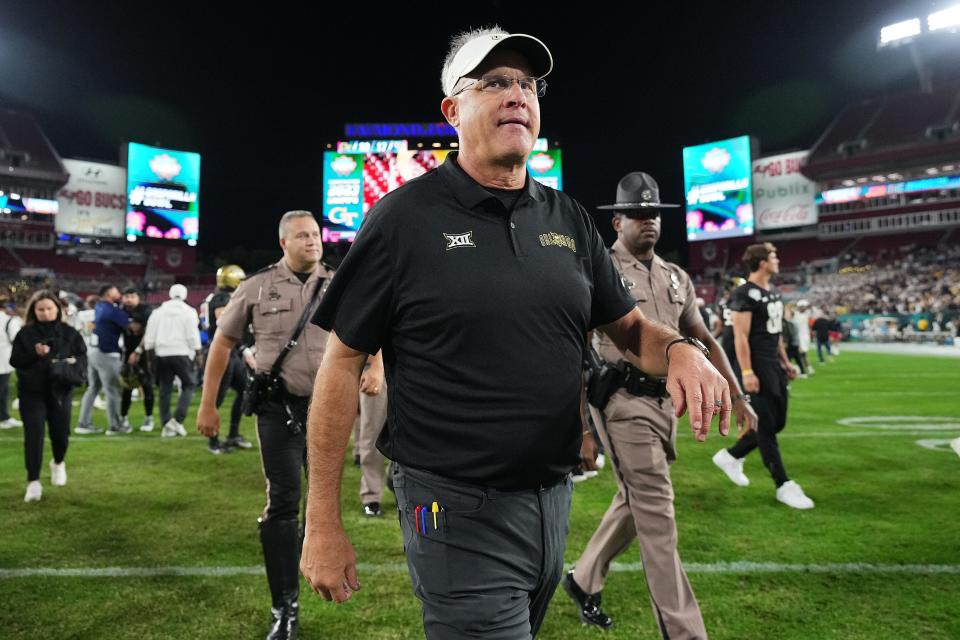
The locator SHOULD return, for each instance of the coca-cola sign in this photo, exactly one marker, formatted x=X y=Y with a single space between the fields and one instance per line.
x=782 y=196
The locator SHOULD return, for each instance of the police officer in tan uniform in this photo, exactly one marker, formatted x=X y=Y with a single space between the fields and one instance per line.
x=272 y=301
x=638 y=427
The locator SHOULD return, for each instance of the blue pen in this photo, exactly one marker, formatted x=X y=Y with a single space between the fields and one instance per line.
x=423 y=521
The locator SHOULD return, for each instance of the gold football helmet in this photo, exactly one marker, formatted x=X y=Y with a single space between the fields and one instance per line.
x=229 y=277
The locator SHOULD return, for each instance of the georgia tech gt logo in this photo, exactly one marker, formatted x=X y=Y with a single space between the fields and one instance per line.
x=455 y=240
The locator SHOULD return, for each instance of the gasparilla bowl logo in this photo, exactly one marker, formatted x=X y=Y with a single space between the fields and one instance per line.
x=541 y=163
x=716 y=160
x=165 y=166
x=343 y=165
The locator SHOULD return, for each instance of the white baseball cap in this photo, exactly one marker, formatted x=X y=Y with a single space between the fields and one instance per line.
x=475 y=51
x=178 y=292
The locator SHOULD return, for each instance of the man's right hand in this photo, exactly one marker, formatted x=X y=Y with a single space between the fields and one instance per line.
x=329 y=563
x=208 y=420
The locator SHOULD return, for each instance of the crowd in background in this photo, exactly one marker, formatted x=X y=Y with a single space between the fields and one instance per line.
x=114 y=344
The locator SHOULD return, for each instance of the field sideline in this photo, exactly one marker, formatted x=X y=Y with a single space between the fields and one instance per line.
x=157 y=538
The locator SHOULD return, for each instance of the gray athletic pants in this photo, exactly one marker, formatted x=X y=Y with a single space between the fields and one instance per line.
x=490 y=565
x=103 y=372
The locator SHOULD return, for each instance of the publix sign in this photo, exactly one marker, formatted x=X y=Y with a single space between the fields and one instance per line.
x=782 y=196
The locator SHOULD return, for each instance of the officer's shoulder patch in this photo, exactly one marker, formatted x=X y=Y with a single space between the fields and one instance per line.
x=267 y=268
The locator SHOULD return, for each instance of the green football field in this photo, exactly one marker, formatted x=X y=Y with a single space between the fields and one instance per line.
x=161 y=537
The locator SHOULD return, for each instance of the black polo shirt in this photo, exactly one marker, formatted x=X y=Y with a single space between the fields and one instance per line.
x=482 y=316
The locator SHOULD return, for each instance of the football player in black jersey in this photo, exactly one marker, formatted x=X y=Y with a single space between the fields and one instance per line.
x=762 y=365
x=725 y=334
x=136 y=373
x=229 y=278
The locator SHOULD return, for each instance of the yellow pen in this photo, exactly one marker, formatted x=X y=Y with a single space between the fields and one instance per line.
x=435 y=509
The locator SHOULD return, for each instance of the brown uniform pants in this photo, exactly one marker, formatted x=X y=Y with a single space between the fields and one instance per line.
x=638 y=435
x=373 y=414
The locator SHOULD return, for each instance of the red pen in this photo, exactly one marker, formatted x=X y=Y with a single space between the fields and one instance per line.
x=417 y=517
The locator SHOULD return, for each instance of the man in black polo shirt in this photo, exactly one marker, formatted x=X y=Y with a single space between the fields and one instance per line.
x=479 y=285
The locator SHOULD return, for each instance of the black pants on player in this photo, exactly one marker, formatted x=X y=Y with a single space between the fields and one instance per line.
x=793 y=353
x=146 y=382
x=284 y=456
x=4 y=396
x=37 y=409
x=235 y=377
x=771 y=407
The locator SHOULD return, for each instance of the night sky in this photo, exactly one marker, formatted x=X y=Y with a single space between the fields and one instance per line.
x=260 y=93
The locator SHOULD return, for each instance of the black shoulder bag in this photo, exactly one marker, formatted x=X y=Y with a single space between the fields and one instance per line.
x=265 y=386
x=67 y=371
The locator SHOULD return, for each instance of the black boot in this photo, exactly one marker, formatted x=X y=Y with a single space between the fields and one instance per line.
x=281 y=555
x=588 y=603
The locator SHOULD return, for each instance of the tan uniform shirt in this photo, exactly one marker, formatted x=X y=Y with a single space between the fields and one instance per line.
x=664 y=293
x=272 y=301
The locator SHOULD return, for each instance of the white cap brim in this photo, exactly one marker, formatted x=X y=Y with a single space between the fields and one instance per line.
x=472 y=54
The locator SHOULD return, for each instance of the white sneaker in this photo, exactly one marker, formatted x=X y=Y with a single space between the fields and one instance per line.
x=126 y=423
x=58 y=473
x=10 y=423
x=34 y=491
x=100 y=403
x=731 y=466
x=792 y=495
x=147 y=425
x=172 y=429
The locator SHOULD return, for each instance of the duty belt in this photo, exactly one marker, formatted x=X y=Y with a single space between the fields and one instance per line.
x=638 y=383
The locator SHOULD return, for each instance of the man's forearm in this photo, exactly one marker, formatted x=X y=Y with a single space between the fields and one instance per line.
x=642 y=341
x=742 y=346
x=651 y=347
x=217 y=359
x=332 y=412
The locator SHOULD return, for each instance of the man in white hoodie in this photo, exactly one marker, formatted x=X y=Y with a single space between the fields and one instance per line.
x=173 y=333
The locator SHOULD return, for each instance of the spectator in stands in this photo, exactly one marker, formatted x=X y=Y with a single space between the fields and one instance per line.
x=821 y=328
x=9 y=326
x=104 y=363
x=45 y=339
x=135 y=367
x=173 y=333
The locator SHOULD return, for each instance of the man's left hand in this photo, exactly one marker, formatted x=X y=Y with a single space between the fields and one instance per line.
x=746 y=417
x=696 y=386
x=371 y=380
x=588 y=453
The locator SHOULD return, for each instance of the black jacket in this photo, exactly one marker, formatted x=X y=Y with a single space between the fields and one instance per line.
x=32 y=370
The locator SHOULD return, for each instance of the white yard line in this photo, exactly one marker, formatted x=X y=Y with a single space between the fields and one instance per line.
x=723 y=568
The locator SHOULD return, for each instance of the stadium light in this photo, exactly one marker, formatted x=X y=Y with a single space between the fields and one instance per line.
x=899 y=31
x=944 y=19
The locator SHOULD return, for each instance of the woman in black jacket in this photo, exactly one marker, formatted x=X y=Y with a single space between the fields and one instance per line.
x=44 y=339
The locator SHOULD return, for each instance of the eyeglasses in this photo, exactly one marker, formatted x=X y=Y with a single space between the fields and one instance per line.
x=498 y=84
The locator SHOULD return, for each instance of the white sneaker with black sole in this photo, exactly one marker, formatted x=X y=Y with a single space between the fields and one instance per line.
x=58 y=473
x=731 y=466
x=790 y=494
